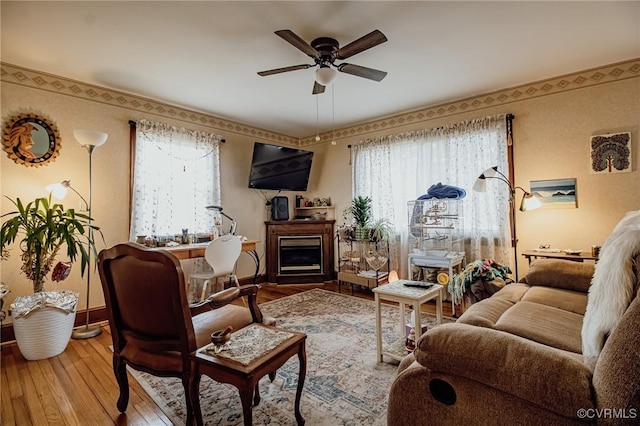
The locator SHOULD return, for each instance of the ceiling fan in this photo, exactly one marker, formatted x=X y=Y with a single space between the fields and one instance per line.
x=324 y=51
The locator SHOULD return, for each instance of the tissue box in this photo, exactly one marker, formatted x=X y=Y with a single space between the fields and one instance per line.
x=408 y=327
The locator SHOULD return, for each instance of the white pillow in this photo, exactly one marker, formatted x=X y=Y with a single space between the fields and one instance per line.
x=612 y=287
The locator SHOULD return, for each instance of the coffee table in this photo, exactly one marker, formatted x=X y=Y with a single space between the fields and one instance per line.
x=397 y=292
x=252 y=353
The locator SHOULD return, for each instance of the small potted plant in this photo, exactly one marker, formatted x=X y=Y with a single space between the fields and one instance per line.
x=43 y=229
x=380 y=230
x=360 y=210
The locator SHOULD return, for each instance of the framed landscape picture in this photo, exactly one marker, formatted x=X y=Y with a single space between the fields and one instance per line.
x=555 y=193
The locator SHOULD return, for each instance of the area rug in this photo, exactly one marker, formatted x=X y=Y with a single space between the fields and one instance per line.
x=345 y=385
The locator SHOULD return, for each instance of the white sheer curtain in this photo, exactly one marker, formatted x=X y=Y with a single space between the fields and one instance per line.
x=176 y=175
x=397 y=169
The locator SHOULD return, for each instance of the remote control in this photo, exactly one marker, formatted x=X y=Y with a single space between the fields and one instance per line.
x=418 y=284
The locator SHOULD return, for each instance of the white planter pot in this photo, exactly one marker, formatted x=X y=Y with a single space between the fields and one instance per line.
x=43 y=333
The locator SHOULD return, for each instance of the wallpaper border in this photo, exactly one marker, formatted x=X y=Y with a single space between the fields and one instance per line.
x=578 y=80
x=581 y=79
x=52 y=83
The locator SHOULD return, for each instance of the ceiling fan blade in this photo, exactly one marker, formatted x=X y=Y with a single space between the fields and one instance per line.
x=296 y=41
x=365 y=72
x=374 y=38
x=317 y=88
x=285 y=69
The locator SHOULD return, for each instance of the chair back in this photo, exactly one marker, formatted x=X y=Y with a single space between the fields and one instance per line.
x=146 y=300
x=222 y=254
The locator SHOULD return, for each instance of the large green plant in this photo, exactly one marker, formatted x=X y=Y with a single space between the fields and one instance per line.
x=44 y=228
x=360 y=209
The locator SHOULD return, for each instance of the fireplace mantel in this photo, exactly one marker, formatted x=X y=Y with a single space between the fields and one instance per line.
x=299 y=228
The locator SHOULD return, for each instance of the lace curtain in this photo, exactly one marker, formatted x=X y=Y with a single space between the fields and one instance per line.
x=176 y=175
x=396 y=169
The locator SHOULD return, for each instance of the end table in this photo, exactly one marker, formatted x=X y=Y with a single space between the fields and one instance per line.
x=253 y=352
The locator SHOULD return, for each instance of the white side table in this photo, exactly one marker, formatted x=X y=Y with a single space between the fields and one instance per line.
x=398 y=292
x=449 y=260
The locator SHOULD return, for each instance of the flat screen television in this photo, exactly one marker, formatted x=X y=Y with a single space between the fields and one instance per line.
x=279 y=168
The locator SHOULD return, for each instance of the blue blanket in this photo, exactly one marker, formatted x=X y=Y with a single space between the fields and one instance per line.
x=443 y=191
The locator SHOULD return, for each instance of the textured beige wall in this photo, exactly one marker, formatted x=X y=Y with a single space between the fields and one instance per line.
x=551 y=141
x=552 y=135
x=111 y=178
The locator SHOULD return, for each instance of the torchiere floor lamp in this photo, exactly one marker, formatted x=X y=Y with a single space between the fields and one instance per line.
x=89 y=139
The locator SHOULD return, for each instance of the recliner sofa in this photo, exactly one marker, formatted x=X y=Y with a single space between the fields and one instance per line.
x=516 y=358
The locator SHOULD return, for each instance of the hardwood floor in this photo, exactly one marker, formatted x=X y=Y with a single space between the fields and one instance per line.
x=78 y=386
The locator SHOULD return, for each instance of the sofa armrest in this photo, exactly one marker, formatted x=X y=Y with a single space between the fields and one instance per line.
x=559 y=273
x=549 y=378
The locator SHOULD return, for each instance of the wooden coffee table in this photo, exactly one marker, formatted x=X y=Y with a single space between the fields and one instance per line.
x=253 y=352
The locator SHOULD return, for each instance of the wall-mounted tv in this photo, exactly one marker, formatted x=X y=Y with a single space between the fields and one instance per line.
x=279 y=168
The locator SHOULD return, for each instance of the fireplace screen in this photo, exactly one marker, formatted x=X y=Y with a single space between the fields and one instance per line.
x=300 y=255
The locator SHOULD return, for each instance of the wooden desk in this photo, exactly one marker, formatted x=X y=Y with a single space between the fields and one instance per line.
x=191 y=251
x=560 y=255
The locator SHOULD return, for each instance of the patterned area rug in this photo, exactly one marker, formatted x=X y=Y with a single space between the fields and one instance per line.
x=344 y=383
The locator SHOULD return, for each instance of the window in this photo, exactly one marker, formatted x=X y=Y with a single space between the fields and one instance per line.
x=176 y=174
x=397 y=169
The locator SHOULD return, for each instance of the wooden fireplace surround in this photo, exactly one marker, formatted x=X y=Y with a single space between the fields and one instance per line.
x=299 y=228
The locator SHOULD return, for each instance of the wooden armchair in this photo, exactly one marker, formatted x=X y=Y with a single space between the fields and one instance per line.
x=154 y=329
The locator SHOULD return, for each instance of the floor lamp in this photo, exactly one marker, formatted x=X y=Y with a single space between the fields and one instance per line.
x=529 y=202
x=89 y=139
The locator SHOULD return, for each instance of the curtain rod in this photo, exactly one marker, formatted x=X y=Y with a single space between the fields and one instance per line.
x=509 y=120
x=133 y=125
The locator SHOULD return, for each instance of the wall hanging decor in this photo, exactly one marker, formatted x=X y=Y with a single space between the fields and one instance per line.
x=555 y=193
x=611 y=153
x=31 y=139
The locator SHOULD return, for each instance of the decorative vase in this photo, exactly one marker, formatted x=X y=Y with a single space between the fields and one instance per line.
x=43 y=323
x=362 y=233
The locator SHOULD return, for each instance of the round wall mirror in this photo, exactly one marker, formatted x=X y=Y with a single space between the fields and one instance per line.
x=31 y=139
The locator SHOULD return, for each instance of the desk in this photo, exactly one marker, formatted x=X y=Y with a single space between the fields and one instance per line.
x=190 y=251
x=558 y=255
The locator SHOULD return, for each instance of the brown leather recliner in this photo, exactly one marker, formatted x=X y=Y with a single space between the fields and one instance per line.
x=154 y=329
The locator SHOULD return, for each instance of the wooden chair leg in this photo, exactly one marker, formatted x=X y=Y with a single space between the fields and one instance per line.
x=120 y=371
x=191 y=384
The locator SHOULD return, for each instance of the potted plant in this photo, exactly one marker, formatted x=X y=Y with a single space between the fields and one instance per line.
x=360 y=210
x=380 y=230
x=43 y=229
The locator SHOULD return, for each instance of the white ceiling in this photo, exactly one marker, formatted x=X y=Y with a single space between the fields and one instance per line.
x=205 y=55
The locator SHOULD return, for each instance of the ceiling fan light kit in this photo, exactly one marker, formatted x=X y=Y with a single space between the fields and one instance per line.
x=325 y=75
x=324 y=51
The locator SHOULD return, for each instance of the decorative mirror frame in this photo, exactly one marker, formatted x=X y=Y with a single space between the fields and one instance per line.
x=31 y=139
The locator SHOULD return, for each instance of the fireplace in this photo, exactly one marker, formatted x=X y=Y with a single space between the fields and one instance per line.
x=300 y=255
x=299 y=251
